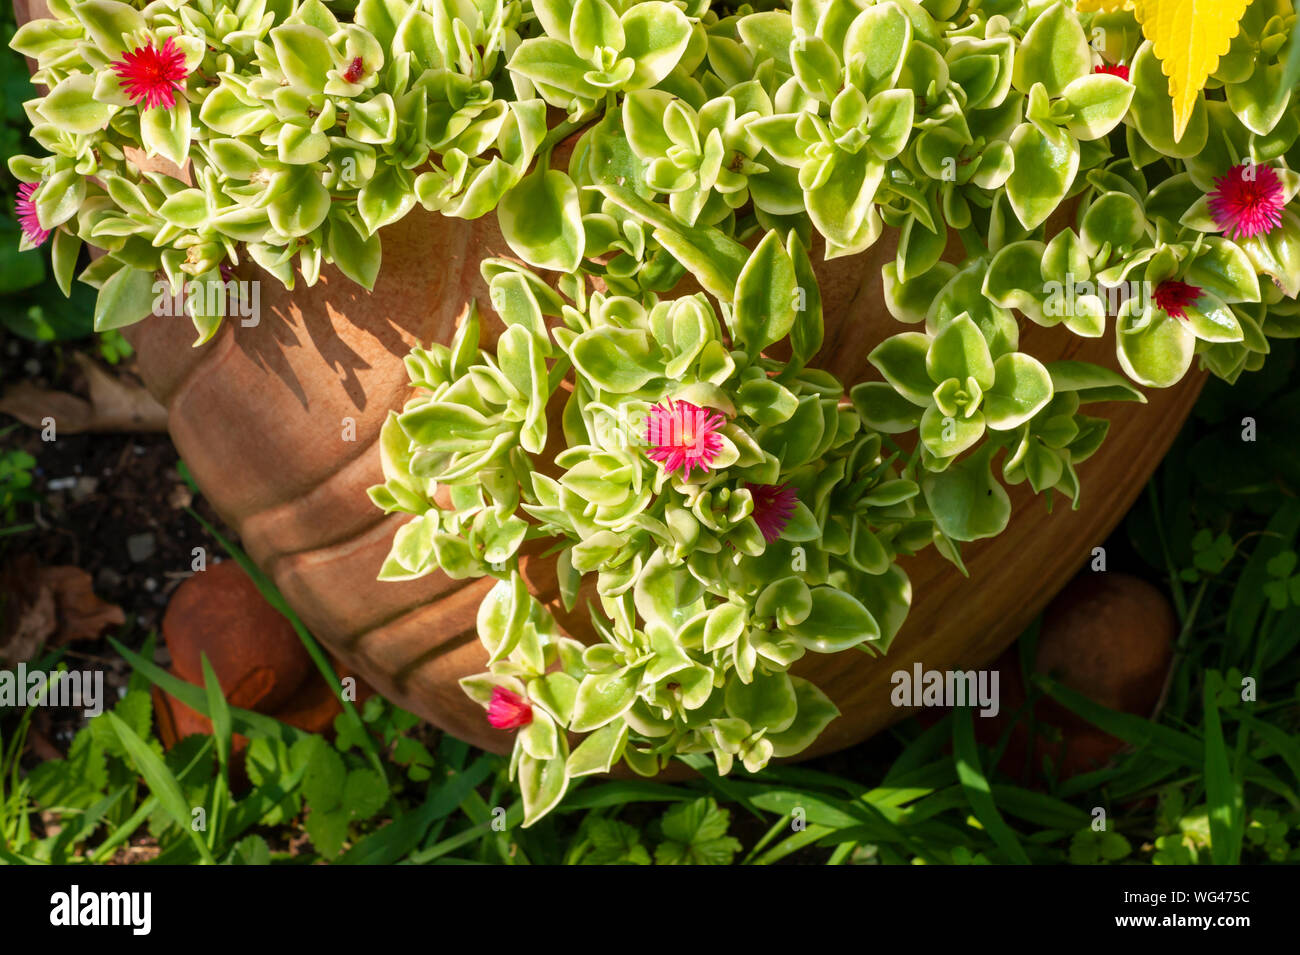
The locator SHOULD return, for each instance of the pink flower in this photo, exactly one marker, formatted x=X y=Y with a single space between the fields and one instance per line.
x=25 y=209
x=1119 y=69
x=1174 y=297
x=773 y=505
x=682 y=435
x=153 y=76
x=1247 y=201
x=508 y=710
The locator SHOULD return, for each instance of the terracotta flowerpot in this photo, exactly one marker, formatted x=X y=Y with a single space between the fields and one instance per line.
x=279 y=423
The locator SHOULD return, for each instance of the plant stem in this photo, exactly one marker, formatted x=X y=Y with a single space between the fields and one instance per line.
x=1175 y=582
x=560 y=133
x=1180 y=649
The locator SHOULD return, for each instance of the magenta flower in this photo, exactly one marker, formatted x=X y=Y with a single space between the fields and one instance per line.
x=153 y=76
x=1119 y=69
x=25 y=209
x=773 y=505
x=683 y=436
x=1247 y=201
x=1174 y=297
x=508 y=710
x=356 y=69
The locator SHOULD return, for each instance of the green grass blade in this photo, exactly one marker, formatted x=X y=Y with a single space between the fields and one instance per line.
x=1248 y=600
x=936 y=804
x=1039 y=808
x=87 y=824
x=622 y=792
x=246 y=812
x=976 y=786
x=514 y=816
x=160 y=781
x=801 y=777
x=811 y=808
x=1286 y=745
x=1165 y=742
x=920 y=752
x=244 y=722
x=218 y=710
x=1222 y=786
x=792 y=844
x=896 y=797
x=397 y=839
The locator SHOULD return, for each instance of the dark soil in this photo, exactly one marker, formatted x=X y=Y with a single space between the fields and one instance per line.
x=127 y=490
x=112 y=504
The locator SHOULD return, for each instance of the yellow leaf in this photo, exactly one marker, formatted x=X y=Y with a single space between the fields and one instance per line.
x=1189 y=36
x=1104 y=6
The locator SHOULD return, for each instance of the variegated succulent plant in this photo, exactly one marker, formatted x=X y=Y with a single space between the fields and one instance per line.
x=717 y=510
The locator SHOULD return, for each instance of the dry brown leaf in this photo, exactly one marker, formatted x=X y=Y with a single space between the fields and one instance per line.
x=49 y=606
x=115 y=404
x=82 y=615
x=28 y=624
